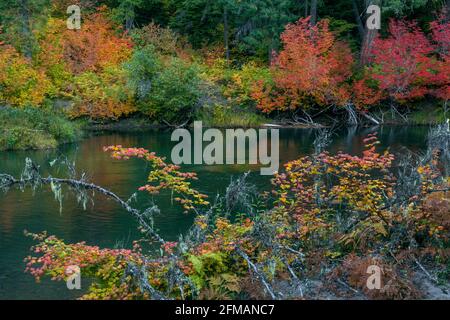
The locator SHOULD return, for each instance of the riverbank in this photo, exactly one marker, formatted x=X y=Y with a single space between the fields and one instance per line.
x=427 y=115
x=32 y=128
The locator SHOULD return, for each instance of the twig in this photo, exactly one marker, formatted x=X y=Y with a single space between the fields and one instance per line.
x=259 y=275
x=347 y=286
x=425 y=271
x=296 y=279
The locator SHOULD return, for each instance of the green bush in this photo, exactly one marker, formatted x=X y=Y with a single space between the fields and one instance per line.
x=175 y=93
x=164 y=91
x=32 y=128
x=142 y=69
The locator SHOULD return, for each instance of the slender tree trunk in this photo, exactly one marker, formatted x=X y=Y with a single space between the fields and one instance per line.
x=367 y=44
x=225 y=33
x=129 y=17
x=26 y=31
x=270 y=55
x=306 y=8
x=447 y=8
x=313 y=12
x=205 y=11
x=359 y=22
x=369 y=36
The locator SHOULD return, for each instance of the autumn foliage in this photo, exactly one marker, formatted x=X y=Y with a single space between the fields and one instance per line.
x=167 y=176
x=407 y=65
x=103 y=95
x=310 y=187
x=403 y=61
x=313 y=71
x=95 y=262
x=92 y=48
x=95 y=45
x=312 y=68
x=86 y=66
x=440 y=30
x=20 y=83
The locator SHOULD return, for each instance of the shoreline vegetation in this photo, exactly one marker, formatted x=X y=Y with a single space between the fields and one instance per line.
x=428 y=116
x=23 y=129
x=300 y=70
x=32 y=129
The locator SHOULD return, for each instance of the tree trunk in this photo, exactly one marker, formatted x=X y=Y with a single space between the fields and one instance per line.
x=359 y=22
x=370 y=118
x=366 y=49
x=269 y=53
x=447 y=8
x=26 y=31
x=129 y=17
x=313 y=12
x=306 y=8
x=225 y=33
x=369 y=37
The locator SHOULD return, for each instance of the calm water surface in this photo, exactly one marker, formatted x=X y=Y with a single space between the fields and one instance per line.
x=107 y=225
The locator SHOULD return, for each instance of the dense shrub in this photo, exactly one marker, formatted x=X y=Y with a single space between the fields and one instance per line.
x=31 y=128
x=312 y=69
x=175 y=93
x=164 y=91
x=406 y=65
x=95 y=46
x=51 y=57
x=164 y=40
x=20 y=83
x=142 y=69
x=242 y=82
x=103 y=95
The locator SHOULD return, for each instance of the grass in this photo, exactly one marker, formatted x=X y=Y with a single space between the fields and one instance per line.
x=32 y=128
x=429 y=113
x=228 y=117
x=428 y=116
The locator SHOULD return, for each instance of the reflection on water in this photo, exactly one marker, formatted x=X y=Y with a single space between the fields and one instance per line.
x=104 y=223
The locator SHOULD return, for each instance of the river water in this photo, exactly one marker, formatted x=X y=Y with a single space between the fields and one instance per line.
x=104 y=223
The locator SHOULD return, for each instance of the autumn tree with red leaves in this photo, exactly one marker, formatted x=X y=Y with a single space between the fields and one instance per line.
x=312 y=69
x=440 y=31
x=406 y=65
x=402 y=61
